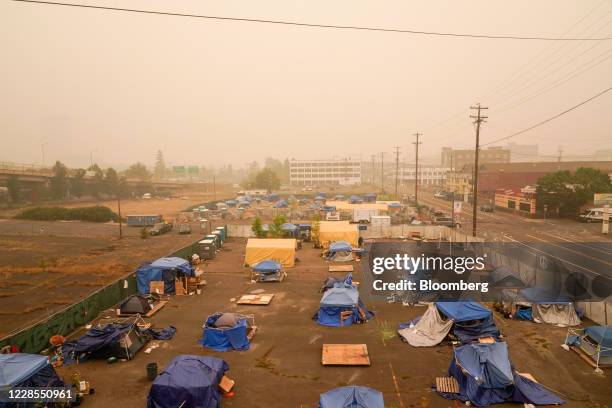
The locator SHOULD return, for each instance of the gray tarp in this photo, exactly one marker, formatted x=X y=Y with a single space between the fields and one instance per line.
x=555 y=313
x=429 y=331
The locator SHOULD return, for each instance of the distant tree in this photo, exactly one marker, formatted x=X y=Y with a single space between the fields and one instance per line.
x=77 y=183
x=97 y=181
x=267 y=179
x=276 y=230
x=14 y=188
x=59 y=181
x=138 y=171
x=111 y=182
x=589 y=181
x=160 y=166
x=257 y=228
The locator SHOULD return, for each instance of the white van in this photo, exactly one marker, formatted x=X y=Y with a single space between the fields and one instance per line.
x=596 y=215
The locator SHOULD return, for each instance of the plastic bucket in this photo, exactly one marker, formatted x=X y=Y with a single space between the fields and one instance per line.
x=151 y=371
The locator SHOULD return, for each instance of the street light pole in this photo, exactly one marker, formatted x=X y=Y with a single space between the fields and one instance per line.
x=478 y=119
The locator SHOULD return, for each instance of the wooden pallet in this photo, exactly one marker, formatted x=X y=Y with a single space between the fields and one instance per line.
x=448 y=385
x=345 y=355
x=263 y=299
x=341 y=268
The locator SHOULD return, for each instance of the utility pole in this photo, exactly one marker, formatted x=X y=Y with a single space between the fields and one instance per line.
x=416 y=170
x=382 y=172
x=119 y=212
x=397 y=149
x=373 y=171
x=42 y=152
x=560 y=156
x=478 y=119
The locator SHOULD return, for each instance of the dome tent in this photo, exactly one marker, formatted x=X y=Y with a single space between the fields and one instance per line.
x=268 y=271
x=188 y=381
x=227 y=331
x=352 y=397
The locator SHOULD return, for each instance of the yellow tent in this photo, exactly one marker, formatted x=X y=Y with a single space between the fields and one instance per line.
x=279 y=250
x=346 y=206
x=339 y=231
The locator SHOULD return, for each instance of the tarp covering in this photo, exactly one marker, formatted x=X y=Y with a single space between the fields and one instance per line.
x=486 y=377
x=163 y=269
x=289 y=227
x=281 y=204
x=602 y=335
x=339 y=231
x=352 y=397
x=225 y=338
x=189 y=382
x=463 y=311
x=95 y=339
x=279 y=250
x=340 y=251
x=267 y=266
x=340 y=246
x=341 y=299
x=429 y=331
x=548 y=307
x=17 y=367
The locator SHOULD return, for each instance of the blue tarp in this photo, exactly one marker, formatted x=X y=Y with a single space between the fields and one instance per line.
x=486 y=377
x=339 y=246
x=163 y=269
x=471 y=320
x=231 y=203
x=17 y=367
x=319 y=198
x=352 y=397
x=272 y=197
x=267 y=266
x=601 y=335
x=370 y=197
x=225 y=339
x=188 y=381
x=329 y=208
x=394 y=205
x=289 y=227
x=94 y=340
x=355 y=199
x=463 y=311
x=342 y=297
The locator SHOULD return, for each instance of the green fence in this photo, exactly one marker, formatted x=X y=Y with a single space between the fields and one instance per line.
x=35 y=337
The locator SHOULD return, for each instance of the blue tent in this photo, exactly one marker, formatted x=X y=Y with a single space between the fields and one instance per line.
x=244 y=203
x=163 y=269
x=329 y=208
x=225 y=338
x=231 y=203
x=188 y=381
x=322 y=194
x=594 y=341
x=27 y=370
x=352 y=397
x=290 y=229
x=341 y=300
x=394 y=205
x=369 y=197
x=319 y=198
x=272 y=197
x=471 y=320
x=354 y=199
x=340 y=246
x=486 y=377
x=268 y=271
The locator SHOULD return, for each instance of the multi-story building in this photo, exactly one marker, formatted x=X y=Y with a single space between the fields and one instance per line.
x=522 y=153
x=428 y=175
x=324 y=172
x=461 y=158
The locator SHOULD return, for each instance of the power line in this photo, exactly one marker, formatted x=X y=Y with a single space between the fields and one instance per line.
x=313 y=25
x=550 y=119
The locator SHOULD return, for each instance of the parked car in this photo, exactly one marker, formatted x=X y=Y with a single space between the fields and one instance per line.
x=439 y=194
x=447 y=222
x=487 y=208
x=184 y=229
x=160 y=228
x=596 y=215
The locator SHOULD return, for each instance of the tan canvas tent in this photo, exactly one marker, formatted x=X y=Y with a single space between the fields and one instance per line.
x=339 y=231
x=279 y=250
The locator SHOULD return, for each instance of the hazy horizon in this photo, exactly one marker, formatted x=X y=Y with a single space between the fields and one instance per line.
x=121 y=86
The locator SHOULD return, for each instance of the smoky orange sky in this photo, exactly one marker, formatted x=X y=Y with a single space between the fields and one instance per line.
x=119 y=86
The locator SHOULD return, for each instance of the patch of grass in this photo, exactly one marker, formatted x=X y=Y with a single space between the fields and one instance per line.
x=95 y=213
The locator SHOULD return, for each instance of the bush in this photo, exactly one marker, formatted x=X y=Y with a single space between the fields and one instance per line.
x=92 y=214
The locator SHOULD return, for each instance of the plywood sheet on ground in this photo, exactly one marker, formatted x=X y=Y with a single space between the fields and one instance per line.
x=261 y=299
x=345 y=354
x=341 y=268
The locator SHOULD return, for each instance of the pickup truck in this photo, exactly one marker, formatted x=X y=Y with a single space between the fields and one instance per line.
x=596 y=215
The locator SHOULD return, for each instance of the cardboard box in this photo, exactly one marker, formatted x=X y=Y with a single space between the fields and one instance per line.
x=226 y=384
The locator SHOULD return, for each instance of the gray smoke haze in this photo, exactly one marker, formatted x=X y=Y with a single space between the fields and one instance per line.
x=120 y=86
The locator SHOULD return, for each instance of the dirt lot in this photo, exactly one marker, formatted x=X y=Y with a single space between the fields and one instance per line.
x=283 y=366
x=49 y=265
